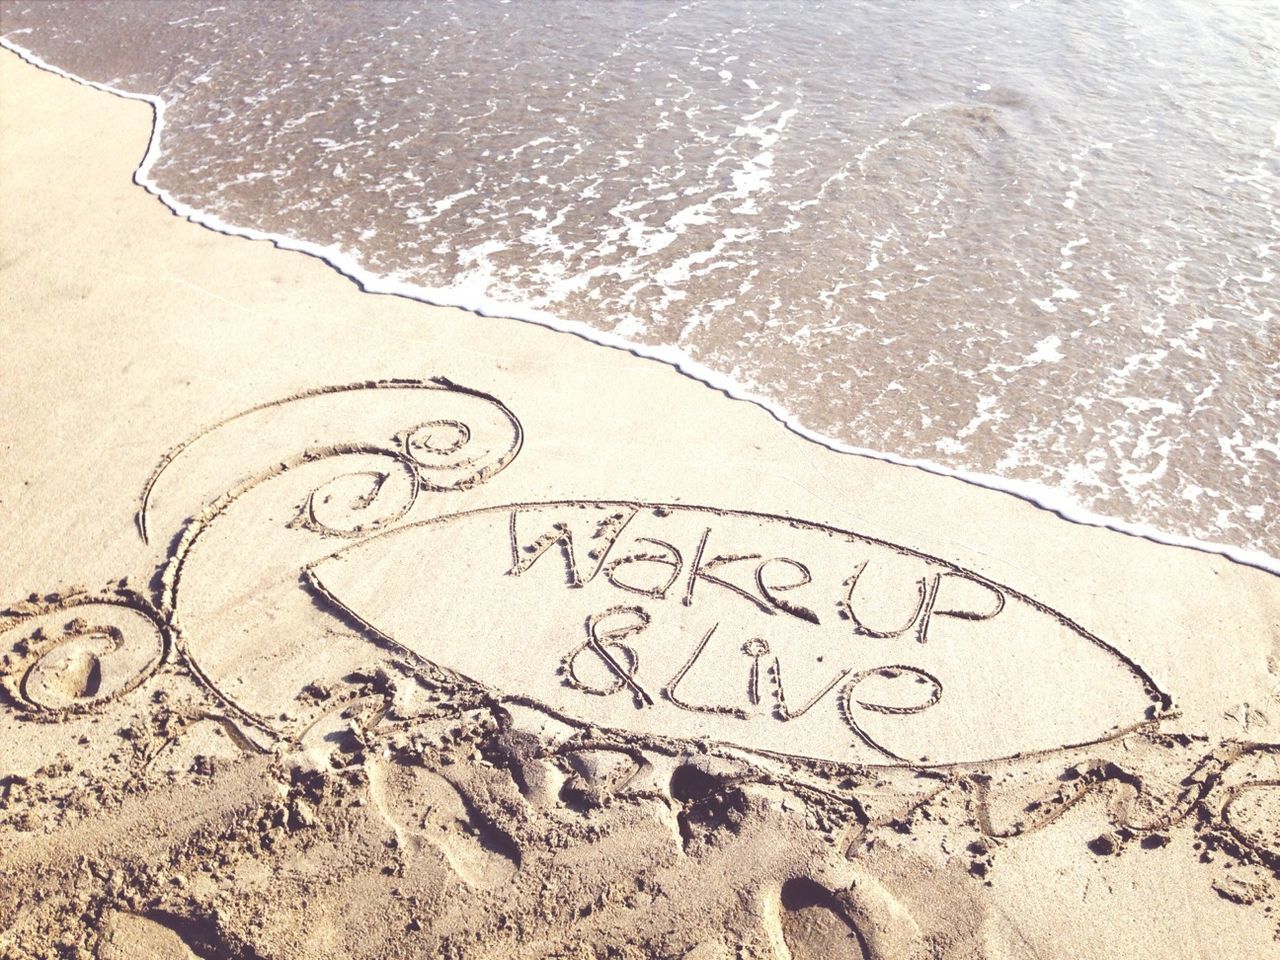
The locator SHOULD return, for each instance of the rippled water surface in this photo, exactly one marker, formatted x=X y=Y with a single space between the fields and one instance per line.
x=1037 y=240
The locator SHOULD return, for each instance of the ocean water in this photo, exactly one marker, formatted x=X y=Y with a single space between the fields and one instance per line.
x=1034 y=243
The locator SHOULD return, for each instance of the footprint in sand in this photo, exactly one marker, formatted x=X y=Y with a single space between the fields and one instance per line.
x=814 y=926
x=128 y=936
x=1252 y=812
x=426 y=809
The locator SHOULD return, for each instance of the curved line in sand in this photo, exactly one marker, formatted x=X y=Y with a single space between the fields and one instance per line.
x=436 y=383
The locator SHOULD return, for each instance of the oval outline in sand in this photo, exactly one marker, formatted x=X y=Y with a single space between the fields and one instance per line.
x=1158 y=704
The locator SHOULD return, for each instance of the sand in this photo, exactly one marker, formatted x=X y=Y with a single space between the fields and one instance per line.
x=339 y=625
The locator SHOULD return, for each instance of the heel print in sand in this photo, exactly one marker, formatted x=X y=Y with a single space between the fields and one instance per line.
x=425 y=808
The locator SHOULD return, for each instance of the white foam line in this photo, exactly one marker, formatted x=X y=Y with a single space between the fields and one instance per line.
x=1041 y=496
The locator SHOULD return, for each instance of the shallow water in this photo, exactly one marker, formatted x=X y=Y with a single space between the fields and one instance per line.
x=1032 y=240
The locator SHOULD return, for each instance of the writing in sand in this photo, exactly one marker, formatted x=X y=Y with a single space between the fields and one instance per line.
x=756 y=629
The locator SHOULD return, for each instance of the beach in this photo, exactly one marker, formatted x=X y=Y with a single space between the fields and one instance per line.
x=344 y=625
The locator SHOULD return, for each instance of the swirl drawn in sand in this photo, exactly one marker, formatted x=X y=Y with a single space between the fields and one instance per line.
x=389 y=440
x=69 y=655
x=438 y=449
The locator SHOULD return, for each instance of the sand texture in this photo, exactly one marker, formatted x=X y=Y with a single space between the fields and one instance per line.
x=337 y=625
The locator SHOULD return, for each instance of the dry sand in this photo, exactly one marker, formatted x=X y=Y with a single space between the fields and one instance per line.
x=344 y=626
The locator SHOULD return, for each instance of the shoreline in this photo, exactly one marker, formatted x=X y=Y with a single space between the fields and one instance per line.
x=1043 y=497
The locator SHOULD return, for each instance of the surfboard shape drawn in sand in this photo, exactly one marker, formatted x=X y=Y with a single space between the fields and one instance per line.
x=756 y=630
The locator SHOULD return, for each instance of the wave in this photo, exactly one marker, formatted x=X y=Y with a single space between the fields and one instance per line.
x=478 y=301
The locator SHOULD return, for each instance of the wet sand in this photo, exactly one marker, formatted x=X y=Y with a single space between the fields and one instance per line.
x=1028 y=245
x=339 y=625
